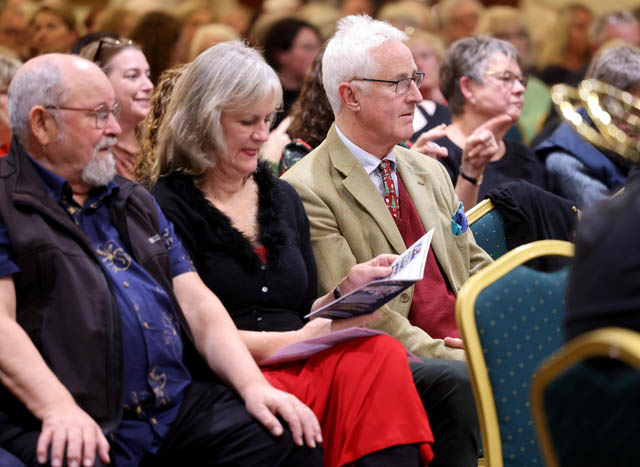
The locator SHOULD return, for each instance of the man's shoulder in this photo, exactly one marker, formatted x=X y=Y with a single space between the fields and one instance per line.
x=420 y=164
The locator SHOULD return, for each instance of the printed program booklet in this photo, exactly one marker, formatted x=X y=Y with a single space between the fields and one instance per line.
x=405 y=270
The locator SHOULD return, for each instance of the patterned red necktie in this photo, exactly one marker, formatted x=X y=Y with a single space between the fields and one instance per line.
x=390 y=195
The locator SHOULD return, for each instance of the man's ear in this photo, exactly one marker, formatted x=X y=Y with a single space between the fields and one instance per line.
x=42 y=127
x=466 y=88
x=350 y=96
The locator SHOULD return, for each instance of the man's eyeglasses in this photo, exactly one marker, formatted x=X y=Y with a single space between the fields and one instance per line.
x=101 y=113
x=508 y=78
x=110 y=42
x=402 y=85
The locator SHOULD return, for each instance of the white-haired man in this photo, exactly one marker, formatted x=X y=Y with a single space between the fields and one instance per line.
x=101 y=313
x=364 y=196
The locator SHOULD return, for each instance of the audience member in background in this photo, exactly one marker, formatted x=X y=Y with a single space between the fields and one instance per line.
x=157 y=33
x=8 y=68
x=603 y=282
x=427 y=51
x=458 y=19
x=209 y=35
x=192 y=14
x=565 y=54
x=151 y=124
x=53 y=29
x=582 y=172
x=14 y=32
x=311 y=117
x=614 y=25
x=408 y=16
x=322 y=15
x=128 y=71
x=289 y=47
x=507 y=23
x=118 y=20
x=248 y=236
x=482 y=80
x=344 y=191
x=357 y=7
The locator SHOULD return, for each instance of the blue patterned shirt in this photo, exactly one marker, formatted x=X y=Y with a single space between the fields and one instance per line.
x=154 y=376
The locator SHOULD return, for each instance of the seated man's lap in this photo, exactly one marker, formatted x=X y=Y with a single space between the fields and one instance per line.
x=212 y=428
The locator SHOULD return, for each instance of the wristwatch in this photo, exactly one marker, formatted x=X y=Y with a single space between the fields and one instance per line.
x=472 y=180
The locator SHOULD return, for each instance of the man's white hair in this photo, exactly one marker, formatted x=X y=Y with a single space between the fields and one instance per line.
x=348 y=53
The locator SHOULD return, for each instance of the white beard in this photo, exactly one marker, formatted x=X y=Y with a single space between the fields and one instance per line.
x=100 y=170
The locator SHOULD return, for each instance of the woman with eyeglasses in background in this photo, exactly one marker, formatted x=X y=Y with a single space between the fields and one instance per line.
x=128 y=71
x=482 y=80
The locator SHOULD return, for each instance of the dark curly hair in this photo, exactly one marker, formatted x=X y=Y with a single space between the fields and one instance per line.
x=311 y=113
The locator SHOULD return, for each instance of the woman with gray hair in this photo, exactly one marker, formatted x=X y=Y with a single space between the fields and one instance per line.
x=481 y=78
x=582 y=172
x=248 y=236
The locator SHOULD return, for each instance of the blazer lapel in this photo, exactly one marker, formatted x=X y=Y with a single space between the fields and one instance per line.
x=415 y=183
x=357 y=182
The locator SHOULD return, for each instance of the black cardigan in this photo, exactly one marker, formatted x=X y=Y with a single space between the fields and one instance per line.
x=259 y=297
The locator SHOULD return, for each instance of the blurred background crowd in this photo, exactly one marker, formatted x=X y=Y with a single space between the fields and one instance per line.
x=555 y=42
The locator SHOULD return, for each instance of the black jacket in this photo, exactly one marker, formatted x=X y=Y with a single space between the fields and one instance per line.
x=64 y=301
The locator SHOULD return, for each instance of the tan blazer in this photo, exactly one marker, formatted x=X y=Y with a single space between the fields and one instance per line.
x=350 y=224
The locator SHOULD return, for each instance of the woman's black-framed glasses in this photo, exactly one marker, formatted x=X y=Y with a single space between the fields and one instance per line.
x=402 y=85
x=110 y=42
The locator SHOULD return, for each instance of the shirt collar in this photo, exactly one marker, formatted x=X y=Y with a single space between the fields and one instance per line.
x=59 y=187
x=368 y=161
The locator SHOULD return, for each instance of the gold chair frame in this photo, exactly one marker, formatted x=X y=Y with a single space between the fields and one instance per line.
x=479 y=210
x=465 y=304
x=621 y=344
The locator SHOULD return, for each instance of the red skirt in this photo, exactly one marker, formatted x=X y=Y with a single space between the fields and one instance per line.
x=364 y=397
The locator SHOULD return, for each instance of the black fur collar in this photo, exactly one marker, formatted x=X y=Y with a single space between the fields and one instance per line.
x=270 y=211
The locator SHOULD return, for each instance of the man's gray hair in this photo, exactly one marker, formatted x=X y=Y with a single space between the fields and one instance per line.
x=41 y=85
x=228 y=76
x=470 y=57
x=348 y=56
x=618 y=66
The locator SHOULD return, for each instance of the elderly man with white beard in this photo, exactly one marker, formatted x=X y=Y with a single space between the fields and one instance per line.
x=112 y=349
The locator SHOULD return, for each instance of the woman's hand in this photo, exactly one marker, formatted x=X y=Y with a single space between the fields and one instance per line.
x=425 y=145
x=481 y=146
x=323 y=326
x=278 y=139
x=363 y=273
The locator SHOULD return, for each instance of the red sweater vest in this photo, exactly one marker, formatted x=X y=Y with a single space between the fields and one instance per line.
x=434 y=303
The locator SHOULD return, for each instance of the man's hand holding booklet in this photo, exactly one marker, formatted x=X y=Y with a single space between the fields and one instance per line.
x=406 y=269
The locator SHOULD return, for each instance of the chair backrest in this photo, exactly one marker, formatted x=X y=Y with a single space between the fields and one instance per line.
x=510 y=318
x=587 y=412
x=487 y=226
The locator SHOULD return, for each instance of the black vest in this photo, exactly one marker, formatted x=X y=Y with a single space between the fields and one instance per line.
x=64 y=301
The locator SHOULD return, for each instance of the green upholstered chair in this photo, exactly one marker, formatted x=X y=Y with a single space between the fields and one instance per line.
x=510 y=318
x=487 y=226
x=587 y=412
